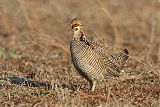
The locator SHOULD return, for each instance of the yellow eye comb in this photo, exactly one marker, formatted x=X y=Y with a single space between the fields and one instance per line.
x=76 y=21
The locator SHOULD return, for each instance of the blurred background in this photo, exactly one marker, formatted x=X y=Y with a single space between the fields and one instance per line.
x=43 y=24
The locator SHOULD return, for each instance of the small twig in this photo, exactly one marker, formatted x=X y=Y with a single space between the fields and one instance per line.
x=39 y=45
x=152 y=35
x=61 y=43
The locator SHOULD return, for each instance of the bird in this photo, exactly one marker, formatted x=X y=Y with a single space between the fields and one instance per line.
x=91 y=59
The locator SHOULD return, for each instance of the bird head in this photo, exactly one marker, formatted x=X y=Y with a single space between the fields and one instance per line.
x=76 y=24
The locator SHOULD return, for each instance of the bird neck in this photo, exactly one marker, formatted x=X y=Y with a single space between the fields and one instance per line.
x=78 y=34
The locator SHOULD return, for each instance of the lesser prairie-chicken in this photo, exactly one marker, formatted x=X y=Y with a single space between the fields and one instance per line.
x=91 y=60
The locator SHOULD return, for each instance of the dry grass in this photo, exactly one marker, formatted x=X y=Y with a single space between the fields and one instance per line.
x=34 y=44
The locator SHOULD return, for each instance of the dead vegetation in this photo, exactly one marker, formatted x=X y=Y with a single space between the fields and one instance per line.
x=34 y=45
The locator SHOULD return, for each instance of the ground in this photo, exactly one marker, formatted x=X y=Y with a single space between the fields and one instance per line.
x=34 y=45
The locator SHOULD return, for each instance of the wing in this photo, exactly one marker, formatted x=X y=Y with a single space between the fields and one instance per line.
x=113 y=62
x=120 y=58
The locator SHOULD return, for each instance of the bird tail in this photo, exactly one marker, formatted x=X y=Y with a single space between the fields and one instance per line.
x=122 y=57
x=117 y=63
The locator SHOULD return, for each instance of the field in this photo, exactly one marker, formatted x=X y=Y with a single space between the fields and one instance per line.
x=35 y=65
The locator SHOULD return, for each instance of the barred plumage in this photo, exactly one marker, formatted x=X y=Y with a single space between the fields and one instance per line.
x=91 y=60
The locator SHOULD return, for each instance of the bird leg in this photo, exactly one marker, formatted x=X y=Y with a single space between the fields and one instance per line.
x=92 y=85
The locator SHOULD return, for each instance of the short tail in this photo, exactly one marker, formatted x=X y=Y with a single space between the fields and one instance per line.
x=123 y=57
x=118 y=62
